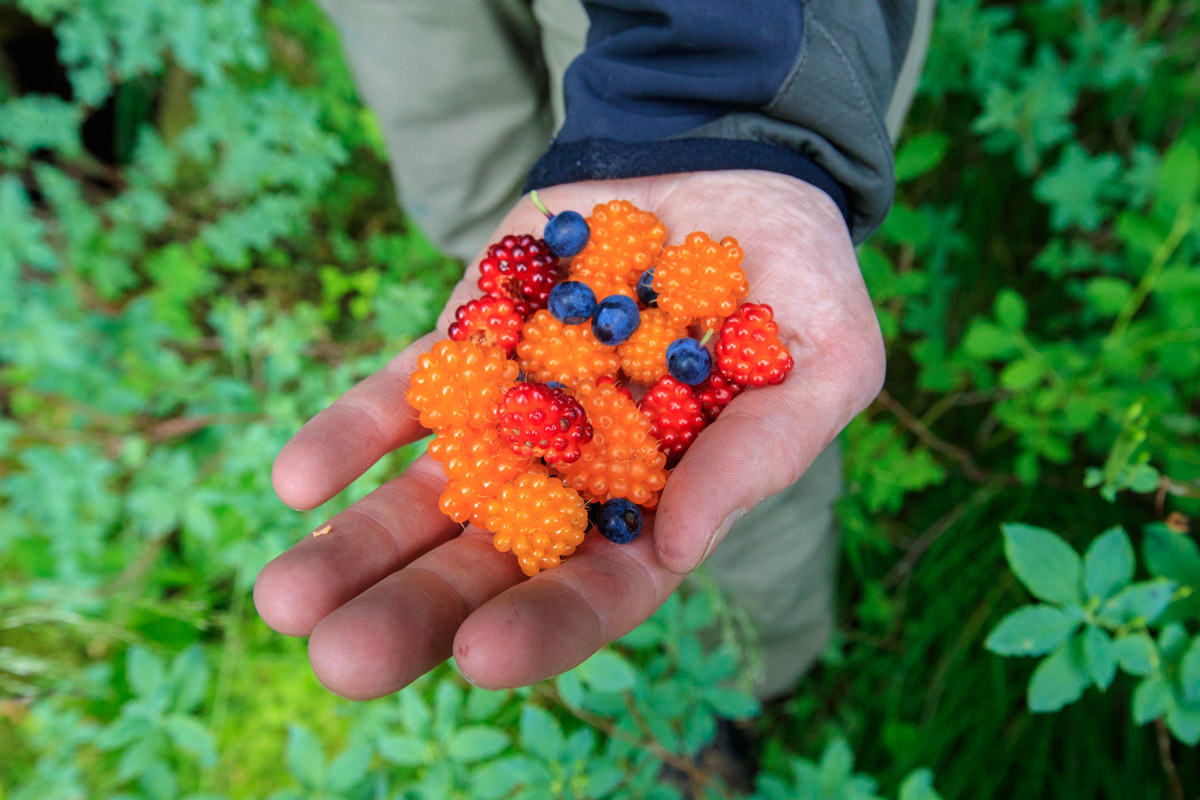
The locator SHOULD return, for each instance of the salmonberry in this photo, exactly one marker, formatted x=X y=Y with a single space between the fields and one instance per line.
x=676 y=417
x=492 y=321
x=644 y=354
x=522 y=269
x=700 y=278
x=466 y=452
x=460 y=384
x=538 y=421
x=539 y=519
x=750 y=352
x=715 y=393
x=623 y=459
x=550 y=350
x=625 y=241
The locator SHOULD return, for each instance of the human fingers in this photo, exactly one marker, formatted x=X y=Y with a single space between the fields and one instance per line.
x=368 y=541
x=403 y=626
x=344 y=440
x=553 y=622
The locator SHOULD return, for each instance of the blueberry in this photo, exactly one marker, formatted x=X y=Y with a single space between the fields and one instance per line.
x=566 y=233
x=572 y=302
x=615 y=319
x=688 y=361
x=556 y=385
x=645 y=288
x=619 y=520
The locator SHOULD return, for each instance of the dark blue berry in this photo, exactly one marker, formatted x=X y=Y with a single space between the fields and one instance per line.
x=615 y=319
x=566 y=233
x=619 y=520
x=556 y=385
x=572 y=302
x=688 y=361
x=645 y=288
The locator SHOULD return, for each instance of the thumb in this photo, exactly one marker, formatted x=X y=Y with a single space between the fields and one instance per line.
x=761 y=444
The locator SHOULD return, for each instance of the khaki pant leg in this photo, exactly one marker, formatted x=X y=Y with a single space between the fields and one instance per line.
x=461 y=92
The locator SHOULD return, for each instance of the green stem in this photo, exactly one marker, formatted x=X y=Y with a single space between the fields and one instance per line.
x=537 y=201
x=1162 y=255
x=707 y=335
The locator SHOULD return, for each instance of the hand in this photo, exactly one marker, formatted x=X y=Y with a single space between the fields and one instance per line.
x=397 y=587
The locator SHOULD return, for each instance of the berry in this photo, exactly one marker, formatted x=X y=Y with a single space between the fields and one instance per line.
x=750 y=352
x=615 y=319
x=538 y=421
x=644 y=354
x=645 y=288
x=624 y=243
x=566 y=233
x=572 y=302
x=522 y=269
x=700 y=278
x=468 y=452
x=623 y=459
x=688 y=361
x=552 y=351
x=715 y=393
x=460 y=384
x=619 y=520
x=492 y=321
x=675 y=415
x=539 y=519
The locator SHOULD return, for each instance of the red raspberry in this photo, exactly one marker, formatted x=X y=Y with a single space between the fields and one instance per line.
x=750 y=352
x=675 y=416
x=700 y=279
x=538 y=421
x=522 y=269
x=492 y=321
x=714 y=393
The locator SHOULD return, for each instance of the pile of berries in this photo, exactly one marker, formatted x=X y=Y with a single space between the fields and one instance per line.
x=530 y=397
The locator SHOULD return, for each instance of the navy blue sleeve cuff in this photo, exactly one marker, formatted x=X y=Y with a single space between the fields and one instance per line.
x=599 y=159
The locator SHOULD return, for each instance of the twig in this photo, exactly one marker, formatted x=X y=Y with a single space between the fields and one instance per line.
x=1168 y=763
x=930 y=439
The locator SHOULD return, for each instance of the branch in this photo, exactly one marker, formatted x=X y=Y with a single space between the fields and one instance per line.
x=1168 y=763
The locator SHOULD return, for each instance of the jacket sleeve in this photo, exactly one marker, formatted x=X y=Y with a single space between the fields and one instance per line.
x=798 y=87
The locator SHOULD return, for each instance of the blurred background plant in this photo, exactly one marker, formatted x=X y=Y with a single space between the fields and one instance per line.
x=199 y=249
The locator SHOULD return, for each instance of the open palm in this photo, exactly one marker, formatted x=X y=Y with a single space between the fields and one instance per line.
x=400 y=587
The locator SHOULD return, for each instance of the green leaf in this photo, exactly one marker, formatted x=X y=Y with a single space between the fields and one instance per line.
x=1100 y=653
x=602 y=777
x=732 y=703
x=1139 y=602
x=1059 y=679
x=1108 y=564
x=988 y=341
x=476 y=742
x=1047 y=565
x=1033 y=630
x=1179 y=178
x=1189 y=672
x=192 y=736
x=350 y=767
x=918 y=786
x=501 y=778
x=1022 y=375
x=1011 y=311
x=1171 y=554
x=920 y=154
x=305 y=758
x=143 y=670
x=540 y=733
x=1185 y=724
x=607 y=671
x=1151 y=699
x=189 y=675
x=1136 y=653
x=1074 y=189
x=484 y=704
x=1108 y=294
x=404 y=750
x=570 y=689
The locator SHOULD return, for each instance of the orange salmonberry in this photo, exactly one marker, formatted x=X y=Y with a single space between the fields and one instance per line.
x=644 y=353
x=460 y=384
x=623 y=459
x=624 y=242
x=700 y=279
x=569 y=354
x=539 y=519
x=467 y=452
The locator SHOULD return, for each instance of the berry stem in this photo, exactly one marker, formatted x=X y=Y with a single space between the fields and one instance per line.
x=707 y=335
x=537 y=201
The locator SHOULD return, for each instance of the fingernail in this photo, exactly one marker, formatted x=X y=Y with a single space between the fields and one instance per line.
x=719 y=534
